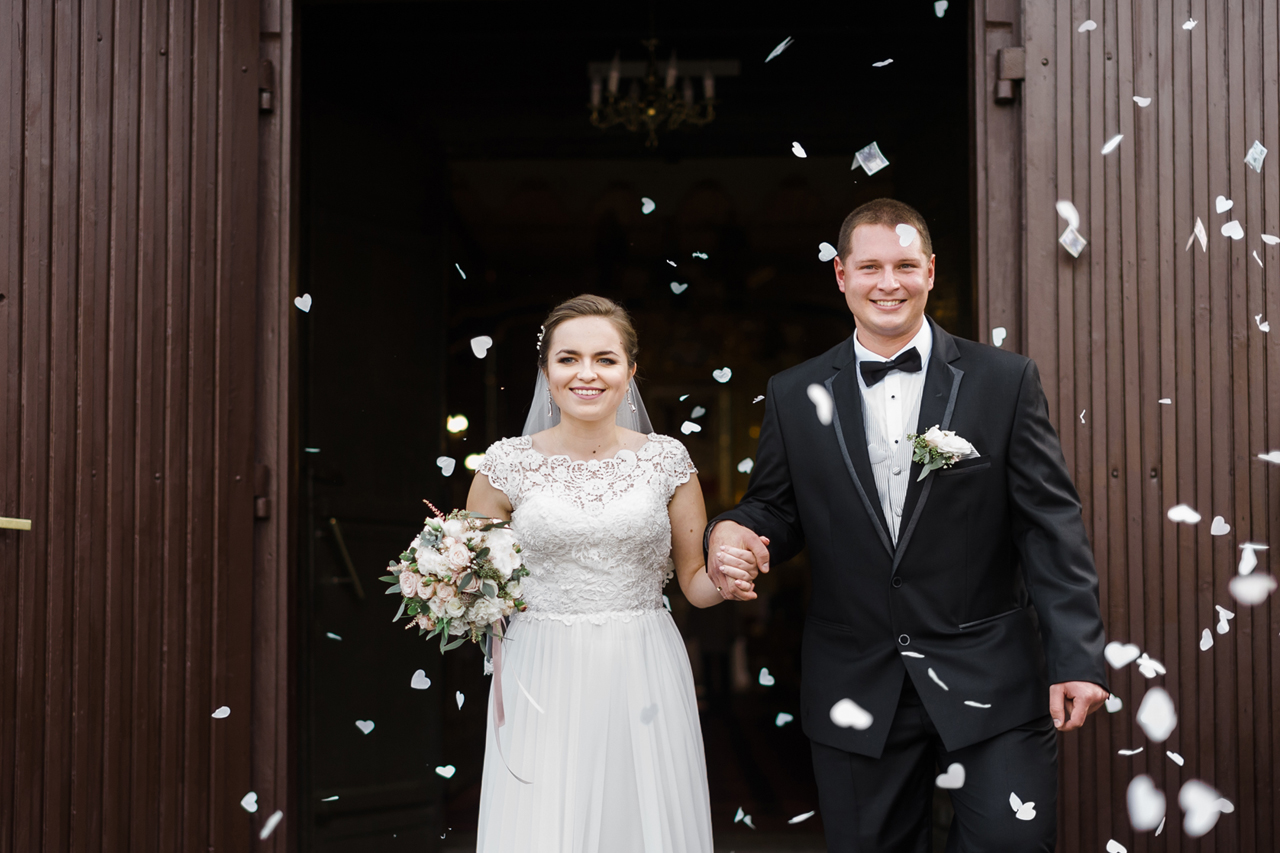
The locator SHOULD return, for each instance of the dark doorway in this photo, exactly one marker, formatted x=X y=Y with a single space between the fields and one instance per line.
x=452 y=186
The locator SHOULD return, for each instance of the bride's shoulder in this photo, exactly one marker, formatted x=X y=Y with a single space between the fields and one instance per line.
x=507 y=448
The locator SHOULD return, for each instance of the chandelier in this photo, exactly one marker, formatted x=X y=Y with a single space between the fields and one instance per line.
x=653 y=101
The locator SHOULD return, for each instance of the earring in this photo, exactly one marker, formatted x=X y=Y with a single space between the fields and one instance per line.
x=631 y=402
x=548 y=402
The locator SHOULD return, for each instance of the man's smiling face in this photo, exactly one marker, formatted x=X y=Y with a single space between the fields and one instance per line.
x=886 y=286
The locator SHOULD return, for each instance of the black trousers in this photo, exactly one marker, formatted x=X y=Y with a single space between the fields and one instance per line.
x=883 y=805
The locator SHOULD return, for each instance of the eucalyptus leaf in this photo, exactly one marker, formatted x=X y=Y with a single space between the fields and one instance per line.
x=399 y=612
x=464 y=580
x=454 y=644
x=483 y=552
x=490 y=589
x=390 y=590
x=390 y=579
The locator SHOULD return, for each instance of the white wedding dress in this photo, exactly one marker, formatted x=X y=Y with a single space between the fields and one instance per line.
x=613 y=750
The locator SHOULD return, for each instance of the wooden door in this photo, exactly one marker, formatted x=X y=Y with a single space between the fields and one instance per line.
x=1161 y=379
x=129 y=137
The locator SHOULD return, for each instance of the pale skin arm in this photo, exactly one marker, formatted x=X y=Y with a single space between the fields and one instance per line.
x=1072 y=701
x=731 y=538
x=487 y=500
x=688 y=513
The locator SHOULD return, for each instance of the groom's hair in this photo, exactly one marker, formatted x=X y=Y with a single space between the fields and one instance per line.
x=888 y=212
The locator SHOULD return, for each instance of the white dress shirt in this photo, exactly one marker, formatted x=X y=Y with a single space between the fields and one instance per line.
x=890 y=411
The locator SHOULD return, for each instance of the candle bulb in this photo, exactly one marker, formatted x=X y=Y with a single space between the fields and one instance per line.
x=708 y=85
x=688 y=91
x=615 y=74
x=671 y=71
x=596 y=85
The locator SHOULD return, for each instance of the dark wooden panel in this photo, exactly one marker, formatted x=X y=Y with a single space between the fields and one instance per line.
x=129 y=134
x=1137 y=318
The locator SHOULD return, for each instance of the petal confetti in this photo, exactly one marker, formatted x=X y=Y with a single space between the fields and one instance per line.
x=1087 y=26
x=1219 y=527
x=821 y=399
x=647 y=206
x=953 y=778
x=1120 y=655
x=1112 y=144
x=907 y=234
x=937 y=680
x=1022 y=811
x=826 y=251
x=881 y=64
x=1146 y=803
x=480 y=345
x=222 y=713
x=798 y=149
x=271 y=824
x=1256 y=155
x=1251 y=589
x=849 y=714
x=783 y=45
x=782 y=719
x=940 y=7
x=1206 y=640
x=998 y=334
x=801 y=818
x=870 y=159
x=1141 y=101
x=1183 y=514
x=303 y=302
x=1202 y=807
x=1233 y=229
x=722 y=375
x=1198 y=233
x=1156 y=715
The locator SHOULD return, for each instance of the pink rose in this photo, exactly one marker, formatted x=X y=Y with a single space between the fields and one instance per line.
x=425 y=622
x=474 y=586
x=408 y=583
x=458 y=555
x=426 y=589
x=445 y=592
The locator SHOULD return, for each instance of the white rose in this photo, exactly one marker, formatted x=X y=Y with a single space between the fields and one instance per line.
x=457 y=628
x=514 y=589
x=485 y=611
x=436 y=605
x=453 y=608
x=933 y=436
x=505 y=560
x=455 y=528
x=954 y=444
x=458 y=556
x=408 y=584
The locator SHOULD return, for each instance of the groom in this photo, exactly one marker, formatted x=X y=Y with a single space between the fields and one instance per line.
x=957 y=612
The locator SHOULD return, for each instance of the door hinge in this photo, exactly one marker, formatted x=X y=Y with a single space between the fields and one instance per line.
x=261 y=491
x=1011 y=67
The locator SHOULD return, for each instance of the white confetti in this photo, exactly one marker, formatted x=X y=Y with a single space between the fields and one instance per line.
x=460 y=272
x=1198 y=233
x=1073 y=242
x=1206 y=640
x=848 y=714
x=1251 y=589
x=447 y=464
x=722 y=375
x=1264 y=325
x=328 y=799
x=303 y=302
x=826 y=251
x=1174 y=757
x=783 y=45
x=673 y=263
x=677 y=288
x=953 y=778
x=647 y=715
x=912 y=655
x=1233 y=229
x=689 y=427
x=766 y=680
x=1141 y=101
x=907 y=234
x=1082 y=411
x=937 y=680
x=647 y=206
x=271 y=824
x=1114 y=846
x=998 y=334
x=480 y=345
x=1222 y=204
x=249 y=802
x=1160 y=827
x=1224 y=619
x=822 y=402
x=1270 y=239
x=1068 y=211
x=746 y=465
x=1023 y=811
x=782 y=719
x=446 y=771
x=1201 y=804
x=702 y=255
x=697 y=412
x=973 y=704
x=460 y=699
x=940 y=7
x=737 y=818
x=798 y=149
x=1183 y=514
x=1190 y=24
x=870 y=159
x=331 y=635
x=882 y=63
x=1146 y=803
x=1130 y=751
x=1112 y=144
x=1257 y=153
x=801 y=818
x=1273 y=457
x=1165 y=401
x=1258 y=259
x=1156 y=715
x=1219 y=527
x=1248 y=560
x=420 y=680
x=365 y=726
x=1149 y=666
x=757 y=399
x=222 y=713
x=1120 y=655
x=1113 y=704
x=1087 y=26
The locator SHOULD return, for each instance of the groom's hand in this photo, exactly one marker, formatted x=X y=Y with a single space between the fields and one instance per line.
x=1072 y=701
x=730 y=534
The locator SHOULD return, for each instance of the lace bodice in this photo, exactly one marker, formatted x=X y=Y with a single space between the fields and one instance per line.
x=595 y=534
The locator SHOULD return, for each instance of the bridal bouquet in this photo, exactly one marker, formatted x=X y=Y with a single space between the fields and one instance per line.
x=459 y=578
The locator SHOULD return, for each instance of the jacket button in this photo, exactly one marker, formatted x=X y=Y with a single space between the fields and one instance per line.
x=904 y=640
x=897 y=582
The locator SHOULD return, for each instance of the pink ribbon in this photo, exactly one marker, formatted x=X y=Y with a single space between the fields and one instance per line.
x=499 y=717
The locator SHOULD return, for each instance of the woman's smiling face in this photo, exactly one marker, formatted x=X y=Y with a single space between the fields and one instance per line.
x=587 y=368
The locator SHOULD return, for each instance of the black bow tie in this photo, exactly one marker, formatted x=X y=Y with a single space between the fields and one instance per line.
x=874 y=371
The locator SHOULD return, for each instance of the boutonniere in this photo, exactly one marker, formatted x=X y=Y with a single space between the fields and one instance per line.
x=939 y=448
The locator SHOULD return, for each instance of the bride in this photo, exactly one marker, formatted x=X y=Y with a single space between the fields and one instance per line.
x=601 y=749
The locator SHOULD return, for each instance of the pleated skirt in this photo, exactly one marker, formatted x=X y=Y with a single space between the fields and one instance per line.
x=612 y=751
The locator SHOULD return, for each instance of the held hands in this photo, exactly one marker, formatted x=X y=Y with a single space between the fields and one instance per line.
x=735 y=555
x=1072 y=701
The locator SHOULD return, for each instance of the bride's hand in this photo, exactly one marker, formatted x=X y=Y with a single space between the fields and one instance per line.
x=739 y=569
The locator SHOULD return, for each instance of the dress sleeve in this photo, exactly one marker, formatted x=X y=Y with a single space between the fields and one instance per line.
x=498 y=466
x=676 y=464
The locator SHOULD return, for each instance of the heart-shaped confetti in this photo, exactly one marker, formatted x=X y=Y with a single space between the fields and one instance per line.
x=1225 y=806
x=826 y=251
x=1112 y=144
x=1222 y=204
x=746 y=465
x=953 y=778
x=1224 y=619
x=1264 y=325
x=249 y=802
x=447 y=464
x=697 y=412
x=1258 y=259
x=783 y=45
x=722 y=375
x=782 y=719
x=758 y=398
x=848 y=714
x=973 y=704
x=1146 y=803
x=1087 y=26
x=1141 y=101
x=937 y=680
x=1248 y=561
x=940 y=7
x=1082 y=411
x=1165 y=401
x=998 y=334
x=1206 y=640
x=1233 y=230
x=766 y=679
x=1149 y=666
x=1190 y=24
x=446 y=771
x=480 y=345
x=822 y=402
x=677 y=288
x=1270 y=239
x=303 y=302
x=673 y=263
x=458 y=267
x=1021 y=810
x=1129 y=752
x=271 y=824
x=684 y=397
x=1183 y=514
x=1113 y=704
x=904 y=654
x=647 y=714
x=1200 y=802
x=1068 y=211
x=1219 y=527
x=702 y=255
x=221 y=713
x=882 y=63
x=907 y=234
x=1156 y=715
x=798 y=149
x=1120 y=655
x=331 y=635
x=801 y=818
x=365 y=726
x=329 y=799
x=420 y=680
x=689 y=426
x=737 y=818
x=1252 y=589
x=458 y=695
x=647 y=206
x=1114 y=846
x=1272 y=457
x=1175 y=757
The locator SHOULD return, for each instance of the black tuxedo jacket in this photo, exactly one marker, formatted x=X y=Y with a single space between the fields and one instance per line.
x=991 y=585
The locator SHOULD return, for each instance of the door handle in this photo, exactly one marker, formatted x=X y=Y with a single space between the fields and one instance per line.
x=14 y=523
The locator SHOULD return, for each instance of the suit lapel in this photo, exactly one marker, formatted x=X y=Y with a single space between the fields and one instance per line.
x=851 y=433
x=937 y=404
